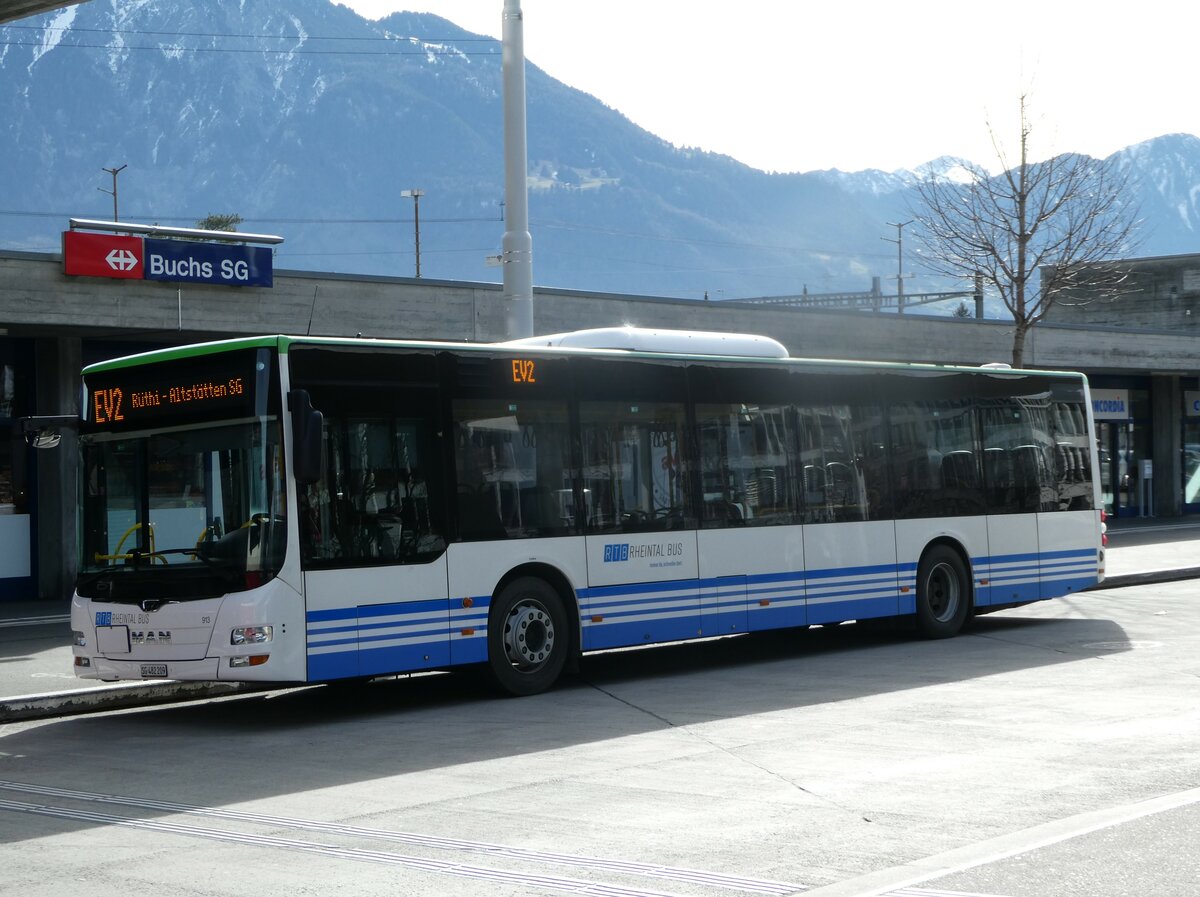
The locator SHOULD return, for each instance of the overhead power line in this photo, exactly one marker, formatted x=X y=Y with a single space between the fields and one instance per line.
x=397 y=45
x=426 y=50
x=547 y=225
x=306 y=37
x=256 y=220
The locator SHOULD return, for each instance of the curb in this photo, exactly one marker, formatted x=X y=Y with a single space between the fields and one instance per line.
x=117 y=697
x=1146 y=578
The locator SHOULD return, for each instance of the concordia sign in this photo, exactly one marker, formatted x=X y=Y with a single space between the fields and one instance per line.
x=178 y=261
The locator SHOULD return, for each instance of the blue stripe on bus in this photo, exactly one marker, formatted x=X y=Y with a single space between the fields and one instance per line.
x=1070 y=553
x=639 y=601
x=797 y=577
x=880 y=569
x=331 y=629
x=430 y=636
x=1008 y=558
x=377 y=661
x=839 y=593
x=437 y=633
x=323 y=643
x=431 y=606
x=343 y=665
x=337 y=613
x=427 y=606
x=1058 y=587
x=634 y=588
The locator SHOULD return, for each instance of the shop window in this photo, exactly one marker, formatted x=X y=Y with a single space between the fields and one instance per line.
x=13 y=499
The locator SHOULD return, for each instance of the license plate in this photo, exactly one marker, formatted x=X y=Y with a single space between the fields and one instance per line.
x=154 y=671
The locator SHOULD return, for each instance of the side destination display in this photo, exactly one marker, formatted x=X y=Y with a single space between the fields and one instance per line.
x=178 y=261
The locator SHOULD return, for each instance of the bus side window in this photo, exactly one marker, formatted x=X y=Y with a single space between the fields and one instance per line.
x=633 y=466
x=513 y=465
x=1073 y=454
x=870 y=443
x=747 y=461
x=837 y=485
x=935 y=459
x=373 y=504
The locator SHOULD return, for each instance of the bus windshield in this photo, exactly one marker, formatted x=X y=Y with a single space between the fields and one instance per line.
x=190 y=509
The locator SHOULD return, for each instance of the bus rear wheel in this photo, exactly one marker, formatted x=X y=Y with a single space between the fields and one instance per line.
x=943 y=593
x=527 y=637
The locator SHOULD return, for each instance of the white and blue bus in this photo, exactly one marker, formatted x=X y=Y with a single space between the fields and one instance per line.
x=297 y=509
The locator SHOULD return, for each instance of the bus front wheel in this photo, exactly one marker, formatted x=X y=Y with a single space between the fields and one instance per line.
x=527 y=637
x=943 y=593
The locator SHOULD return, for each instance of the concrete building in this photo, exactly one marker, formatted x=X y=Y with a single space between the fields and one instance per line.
x=51 y=324
x=1137 y=422
x=1159 y=293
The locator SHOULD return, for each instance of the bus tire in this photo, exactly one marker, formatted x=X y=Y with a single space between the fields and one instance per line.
x=527 y=637
x=943 y=593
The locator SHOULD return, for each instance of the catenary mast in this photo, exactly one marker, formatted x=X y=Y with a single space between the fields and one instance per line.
x=517 y=246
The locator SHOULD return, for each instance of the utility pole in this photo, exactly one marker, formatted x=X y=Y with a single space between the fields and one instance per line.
x=517 y=244
x=113 y=192
x=416 y=198
x=900 y=275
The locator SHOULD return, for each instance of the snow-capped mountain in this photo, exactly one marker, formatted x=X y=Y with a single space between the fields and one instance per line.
x=308 y=121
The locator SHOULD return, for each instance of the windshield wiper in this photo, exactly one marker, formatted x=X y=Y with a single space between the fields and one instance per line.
x=137 y=556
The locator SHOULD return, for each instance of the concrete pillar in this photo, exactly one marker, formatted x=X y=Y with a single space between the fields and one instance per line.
x=57 y=371
x=1166 y=408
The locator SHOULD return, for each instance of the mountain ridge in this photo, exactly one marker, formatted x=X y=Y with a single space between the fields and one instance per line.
x=307 y=119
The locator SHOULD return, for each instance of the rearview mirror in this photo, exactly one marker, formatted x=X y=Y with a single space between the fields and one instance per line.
x=307 y=443
x=45 y=431
x=44 y=437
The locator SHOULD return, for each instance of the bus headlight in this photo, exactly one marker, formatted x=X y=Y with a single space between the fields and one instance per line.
x=250 y=635
x=78 y=639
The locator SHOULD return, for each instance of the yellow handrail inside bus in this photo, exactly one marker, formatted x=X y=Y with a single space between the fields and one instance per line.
x=119 y=556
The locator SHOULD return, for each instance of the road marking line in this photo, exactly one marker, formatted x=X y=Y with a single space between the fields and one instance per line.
x=34 y=621
x=649 y=870
x=886 y=882
x=462 y=870
x=928 y=892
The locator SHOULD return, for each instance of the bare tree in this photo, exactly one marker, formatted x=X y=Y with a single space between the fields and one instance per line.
x=1068 y=218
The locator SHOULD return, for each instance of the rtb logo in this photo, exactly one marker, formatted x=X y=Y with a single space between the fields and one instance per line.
x=104 y=618
x=616 y=552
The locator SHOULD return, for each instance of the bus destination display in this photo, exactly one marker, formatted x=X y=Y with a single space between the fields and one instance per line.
x=110 y=405
x=150 y=395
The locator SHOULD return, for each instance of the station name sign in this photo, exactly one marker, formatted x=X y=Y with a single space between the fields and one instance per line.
x=178 y=261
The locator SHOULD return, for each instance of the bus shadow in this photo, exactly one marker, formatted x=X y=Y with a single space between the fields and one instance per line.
x=262 y=745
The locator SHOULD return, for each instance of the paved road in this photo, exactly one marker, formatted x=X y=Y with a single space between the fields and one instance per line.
x=1051 y=750
x=36 y=676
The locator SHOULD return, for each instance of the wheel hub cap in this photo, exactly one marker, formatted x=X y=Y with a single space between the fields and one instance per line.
x=528 y=636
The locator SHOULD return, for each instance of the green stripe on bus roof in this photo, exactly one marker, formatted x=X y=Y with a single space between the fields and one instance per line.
x=284 y=343
x=177 y=352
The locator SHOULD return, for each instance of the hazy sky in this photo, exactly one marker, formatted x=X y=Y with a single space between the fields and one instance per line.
x=796 y=85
